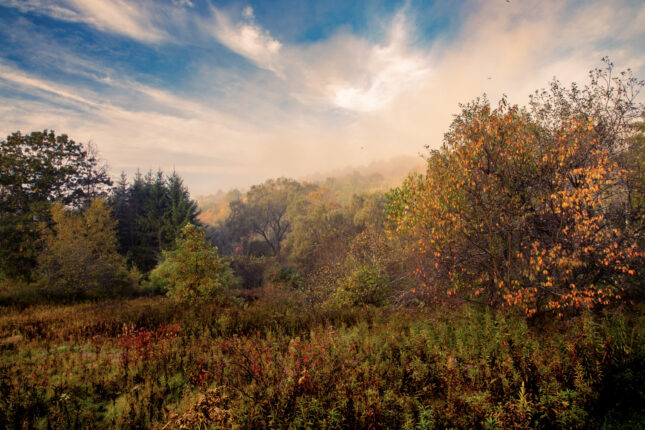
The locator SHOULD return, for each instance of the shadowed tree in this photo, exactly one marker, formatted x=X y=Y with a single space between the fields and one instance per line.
x=36 y=170
x=151 y=213
x=264 y=213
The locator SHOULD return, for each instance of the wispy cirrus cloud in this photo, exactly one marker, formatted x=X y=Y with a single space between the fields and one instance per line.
x=345 y=71
x=246 y=38
x=135 y=20
x=293 y=107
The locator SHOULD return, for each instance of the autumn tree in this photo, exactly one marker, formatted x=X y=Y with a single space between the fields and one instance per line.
x=80 y=253
x=36 y=170
x=529 y=208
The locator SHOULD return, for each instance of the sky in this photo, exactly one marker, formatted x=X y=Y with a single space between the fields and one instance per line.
x=229 y=94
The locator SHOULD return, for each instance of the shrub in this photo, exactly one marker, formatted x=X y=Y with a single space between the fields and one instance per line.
x=250 y=269
x=364 y=285
x=194 y=271
x=280 y=274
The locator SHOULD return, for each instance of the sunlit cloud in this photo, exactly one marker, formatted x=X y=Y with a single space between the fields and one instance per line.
x=295 y=107
x=246 y=38
x=388 y=70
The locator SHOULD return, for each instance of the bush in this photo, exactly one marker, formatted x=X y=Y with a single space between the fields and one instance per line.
x=250 y=269
x=365 y=285
x=194 y=271
x=280 y=274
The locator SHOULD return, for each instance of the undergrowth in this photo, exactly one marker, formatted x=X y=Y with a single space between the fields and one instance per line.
x=151 y=363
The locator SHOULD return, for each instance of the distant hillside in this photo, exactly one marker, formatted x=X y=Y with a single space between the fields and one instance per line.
x=376 y=176
x=394 y=169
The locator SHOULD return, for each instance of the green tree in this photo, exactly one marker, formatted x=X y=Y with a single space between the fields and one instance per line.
x=80 y=253
x=35 y=170
x=364 y=285
x=151 y=213
x=182 y=209
x=263 y=214
x=194 y=271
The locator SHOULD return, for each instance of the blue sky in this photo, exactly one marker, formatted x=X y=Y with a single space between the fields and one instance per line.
x=232 y=93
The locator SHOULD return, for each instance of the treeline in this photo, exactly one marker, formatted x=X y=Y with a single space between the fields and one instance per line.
x=378 y=176
x=67 y=232
x=538 y=208
x=300 y=236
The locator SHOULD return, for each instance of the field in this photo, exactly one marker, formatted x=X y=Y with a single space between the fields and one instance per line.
x=150 y=363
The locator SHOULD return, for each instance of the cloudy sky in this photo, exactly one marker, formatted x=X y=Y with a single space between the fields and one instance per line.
x=232 y=93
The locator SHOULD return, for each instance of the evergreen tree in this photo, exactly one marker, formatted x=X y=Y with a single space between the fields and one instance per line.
x=182 y=210
x=151 y=213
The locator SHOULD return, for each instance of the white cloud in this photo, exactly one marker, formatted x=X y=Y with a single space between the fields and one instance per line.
x=135 y=20
x=341 y=100
x=246 y=39
x=118 y=16
x=387 y=71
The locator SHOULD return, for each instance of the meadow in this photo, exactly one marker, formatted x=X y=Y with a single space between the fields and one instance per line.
x=150 y=362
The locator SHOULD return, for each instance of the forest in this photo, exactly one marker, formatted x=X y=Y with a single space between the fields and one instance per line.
x=501 y=286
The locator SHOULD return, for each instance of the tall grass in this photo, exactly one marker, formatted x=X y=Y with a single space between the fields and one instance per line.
x=147 y=362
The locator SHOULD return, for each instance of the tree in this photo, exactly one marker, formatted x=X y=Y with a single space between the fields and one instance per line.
x=181 y=209
x=151 y=213
x=264 y=213
x=194 y=271
x=529 y=208
x=80 y=253
x=35 y=171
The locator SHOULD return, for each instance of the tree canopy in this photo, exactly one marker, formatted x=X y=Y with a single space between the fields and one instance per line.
x=36 y=170
x=80 y=253
x=530 y=208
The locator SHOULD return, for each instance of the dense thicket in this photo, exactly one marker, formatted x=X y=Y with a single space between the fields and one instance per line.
x=303 y=236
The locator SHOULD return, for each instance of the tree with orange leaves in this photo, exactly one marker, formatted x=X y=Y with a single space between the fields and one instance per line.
x=530 y=207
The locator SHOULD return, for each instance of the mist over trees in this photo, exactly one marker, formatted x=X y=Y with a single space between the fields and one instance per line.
x=536 y=207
